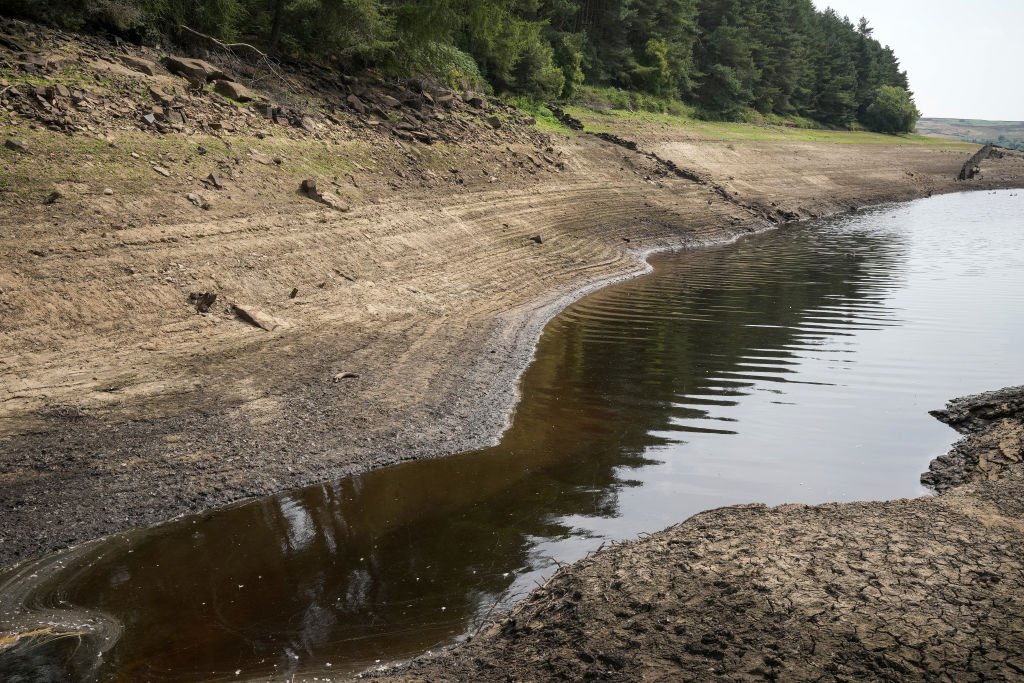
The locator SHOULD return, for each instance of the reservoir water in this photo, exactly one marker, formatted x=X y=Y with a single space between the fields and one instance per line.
x=792 y=366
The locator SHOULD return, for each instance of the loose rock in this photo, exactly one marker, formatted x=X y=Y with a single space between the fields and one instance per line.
x=138 y=64
x=260 y=319
x=16 y=145
x=197 y=69
x=235 y=91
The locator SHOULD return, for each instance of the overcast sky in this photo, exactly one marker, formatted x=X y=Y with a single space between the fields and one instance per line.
x=964 y=57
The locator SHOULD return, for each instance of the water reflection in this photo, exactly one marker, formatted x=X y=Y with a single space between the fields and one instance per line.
x=795 y=366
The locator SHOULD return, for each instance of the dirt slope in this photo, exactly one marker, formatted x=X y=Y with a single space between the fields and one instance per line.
x=122 y=405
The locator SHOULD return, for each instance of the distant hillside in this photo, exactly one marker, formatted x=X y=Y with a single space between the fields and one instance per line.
x=1004 y=133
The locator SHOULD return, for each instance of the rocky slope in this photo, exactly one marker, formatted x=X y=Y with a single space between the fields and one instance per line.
x=204 y=299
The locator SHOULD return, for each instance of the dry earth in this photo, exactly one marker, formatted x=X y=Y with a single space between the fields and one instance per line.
x=123 y=405
x=929 y=589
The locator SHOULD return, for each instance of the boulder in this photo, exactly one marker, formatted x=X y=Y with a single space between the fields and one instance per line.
x=356 y=104
x=138 y=64
x=235 y=91
x=310 y=189
x=258 y=318
x=494 y=122
x=194 y=69
x=16 y=145
x=473 y=99
x=203 y=300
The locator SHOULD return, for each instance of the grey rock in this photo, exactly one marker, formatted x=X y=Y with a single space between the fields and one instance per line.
x=16 y=145
x=196 y=69
x=138 y=64
x=235 y=91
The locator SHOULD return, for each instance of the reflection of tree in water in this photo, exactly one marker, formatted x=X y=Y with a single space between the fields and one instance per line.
x=394 y=561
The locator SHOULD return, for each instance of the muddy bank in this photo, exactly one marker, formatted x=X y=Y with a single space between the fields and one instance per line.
x=922 y=589
x=122 y=404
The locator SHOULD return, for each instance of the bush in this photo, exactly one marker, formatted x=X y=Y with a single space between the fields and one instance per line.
x=893 y=111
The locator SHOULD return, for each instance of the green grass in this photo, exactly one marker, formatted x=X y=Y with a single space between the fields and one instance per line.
x=546 y=120
x=612 y=121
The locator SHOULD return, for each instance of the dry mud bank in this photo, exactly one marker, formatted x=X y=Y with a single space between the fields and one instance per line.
x=924 y=589
x=122 y=405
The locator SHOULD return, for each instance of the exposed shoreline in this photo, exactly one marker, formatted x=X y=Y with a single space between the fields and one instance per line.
x=912 y=589
x=121 y=406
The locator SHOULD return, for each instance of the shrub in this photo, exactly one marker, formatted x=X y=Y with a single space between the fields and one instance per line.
x=893 y=111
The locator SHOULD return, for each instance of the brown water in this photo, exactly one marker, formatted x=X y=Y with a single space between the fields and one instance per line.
x=795 y=366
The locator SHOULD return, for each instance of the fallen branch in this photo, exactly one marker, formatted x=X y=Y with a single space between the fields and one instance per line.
x=235 y=48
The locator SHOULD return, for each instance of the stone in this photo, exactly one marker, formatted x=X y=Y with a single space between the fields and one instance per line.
x=494 y=122
x=194 y=69
x=345 y=375
x=537 y=239
x=203 y=301
x=162 y=171
x=259 y=318
x=334 y=201
x=356 y=104
x=195 y=198
x=235 y=91
x=161 y=97
x=473 y=99
x=107 y=191
x=138 y=64
x=260 y=157
x=390 y=101
x=16 y=145
x=307 y=124
x=149 y=118
x=428 y=98
x=214 y=180
x=309 y=187
x=52 y=197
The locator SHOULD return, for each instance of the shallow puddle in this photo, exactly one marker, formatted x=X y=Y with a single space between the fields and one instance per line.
x=795 y=366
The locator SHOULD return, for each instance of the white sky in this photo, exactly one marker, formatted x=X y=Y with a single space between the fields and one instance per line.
x=964 y=57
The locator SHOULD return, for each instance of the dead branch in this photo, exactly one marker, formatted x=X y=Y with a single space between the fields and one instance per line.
x=240 y=49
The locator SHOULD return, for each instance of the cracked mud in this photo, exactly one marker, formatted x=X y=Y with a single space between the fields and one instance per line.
x=921 y=589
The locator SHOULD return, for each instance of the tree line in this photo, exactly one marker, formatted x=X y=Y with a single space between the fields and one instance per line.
x=725 y=57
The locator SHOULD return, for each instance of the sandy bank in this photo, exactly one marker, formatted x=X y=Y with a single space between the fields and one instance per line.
x=922 y=589
x=121 y=405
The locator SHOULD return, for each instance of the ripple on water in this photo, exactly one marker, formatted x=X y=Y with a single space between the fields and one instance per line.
x=795 y=366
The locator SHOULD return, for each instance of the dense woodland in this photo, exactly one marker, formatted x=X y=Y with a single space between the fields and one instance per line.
x=722 y=57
